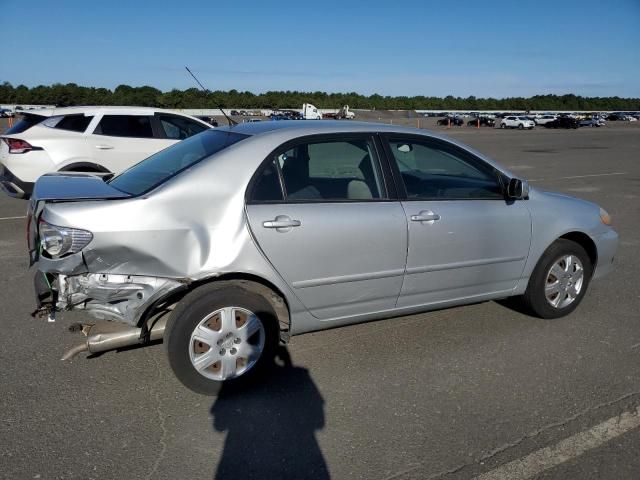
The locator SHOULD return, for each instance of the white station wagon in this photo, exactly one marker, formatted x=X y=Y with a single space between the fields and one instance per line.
x=86 y=139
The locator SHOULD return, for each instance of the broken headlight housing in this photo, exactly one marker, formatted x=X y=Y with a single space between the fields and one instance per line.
x=59 y=241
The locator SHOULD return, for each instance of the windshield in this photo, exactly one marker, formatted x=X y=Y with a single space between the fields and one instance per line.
x=162 y=166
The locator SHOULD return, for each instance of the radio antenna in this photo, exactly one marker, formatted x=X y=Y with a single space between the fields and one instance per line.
x=231 y=122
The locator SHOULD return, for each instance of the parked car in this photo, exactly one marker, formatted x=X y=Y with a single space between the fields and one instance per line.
x=592 y=122
x=208 y=118
x=211 y=269
x=234 y=113
x=6 y=113
x=86 y=139
x=544 y=119
x=292 y=115
x=455 y=121
x=484 y=122
x=517 y=122
x=563 y=122
x=621 y=117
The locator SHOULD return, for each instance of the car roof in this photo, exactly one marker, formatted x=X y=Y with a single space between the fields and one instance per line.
x=281 y=131
x=297 y=128
x=93 y=110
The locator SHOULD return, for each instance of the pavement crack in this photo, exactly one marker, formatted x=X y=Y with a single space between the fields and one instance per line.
x=515 y=443
x=161 y=420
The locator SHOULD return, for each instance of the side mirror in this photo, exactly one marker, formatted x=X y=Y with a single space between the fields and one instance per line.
x=518 y=189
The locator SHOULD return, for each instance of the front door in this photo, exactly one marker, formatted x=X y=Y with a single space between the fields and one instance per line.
x=465 y=240
x=333 y=234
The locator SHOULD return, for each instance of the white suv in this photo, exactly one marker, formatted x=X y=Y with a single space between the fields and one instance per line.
x=517 y=122
x=86 y=139
x=544 y=119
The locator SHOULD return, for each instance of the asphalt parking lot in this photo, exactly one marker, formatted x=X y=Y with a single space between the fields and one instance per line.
x=450 y=394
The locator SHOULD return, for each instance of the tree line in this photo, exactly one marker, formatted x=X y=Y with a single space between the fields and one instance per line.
x=71 y=94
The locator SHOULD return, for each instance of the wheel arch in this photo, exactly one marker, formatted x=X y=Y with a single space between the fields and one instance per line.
x=250 y=282
x=585 y=242
x=84 y=167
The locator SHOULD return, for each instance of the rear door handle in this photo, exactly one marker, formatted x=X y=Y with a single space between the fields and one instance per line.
x=104 y=147
x=282 y=222
x=425 y=216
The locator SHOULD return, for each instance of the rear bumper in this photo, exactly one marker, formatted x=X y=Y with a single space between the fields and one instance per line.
x=121 y=298
x=13 y=186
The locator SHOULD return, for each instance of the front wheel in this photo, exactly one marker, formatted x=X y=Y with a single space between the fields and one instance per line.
x=559 y=281
x=520 y=127
x=502 y=125
x=220 y=334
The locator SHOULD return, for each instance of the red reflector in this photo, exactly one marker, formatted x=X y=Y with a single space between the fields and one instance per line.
x=17 y=146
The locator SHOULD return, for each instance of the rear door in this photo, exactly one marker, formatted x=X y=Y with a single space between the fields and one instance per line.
x=465 y=240
x=324 y=217
x=120 y=141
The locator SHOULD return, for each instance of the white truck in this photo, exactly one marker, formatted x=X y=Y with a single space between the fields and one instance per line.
x=310 y=112
x=344 y=112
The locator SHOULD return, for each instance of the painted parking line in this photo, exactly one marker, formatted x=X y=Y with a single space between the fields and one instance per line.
x=12 y=218
x=565 y=450
x=579 y=176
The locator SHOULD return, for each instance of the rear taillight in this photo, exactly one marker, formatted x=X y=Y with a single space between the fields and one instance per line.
x=19 y=146
x=59 y=241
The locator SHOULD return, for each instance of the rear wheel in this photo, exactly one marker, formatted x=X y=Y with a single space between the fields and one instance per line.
x=502 y=125
x=559 y=281
x=218 y=335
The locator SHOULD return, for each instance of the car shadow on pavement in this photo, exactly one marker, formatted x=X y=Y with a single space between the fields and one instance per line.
x=515 y=304
x=271 y=425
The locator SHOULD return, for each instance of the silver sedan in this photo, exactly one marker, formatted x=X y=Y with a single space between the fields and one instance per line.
x=238 y=238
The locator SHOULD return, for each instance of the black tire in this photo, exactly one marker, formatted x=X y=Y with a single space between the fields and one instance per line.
x=534 y=298
x=520 y=127
x=193 y=308
x=502 y=125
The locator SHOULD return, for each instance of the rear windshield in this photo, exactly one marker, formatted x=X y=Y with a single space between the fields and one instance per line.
x=167 y=163
x=25 y=123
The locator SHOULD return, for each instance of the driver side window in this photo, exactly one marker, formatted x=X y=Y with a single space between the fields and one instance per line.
x=441 y=171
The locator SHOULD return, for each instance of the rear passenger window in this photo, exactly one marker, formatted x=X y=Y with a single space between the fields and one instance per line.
x=73 y=123
x=179 y=128
x=267 y=186
x=138 y=126
x=344 y=170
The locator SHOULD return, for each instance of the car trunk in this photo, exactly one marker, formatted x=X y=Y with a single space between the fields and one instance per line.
x=68 y=187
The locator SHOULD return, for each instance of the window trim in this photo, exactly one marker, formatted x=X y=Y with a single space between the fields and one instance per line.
x=467 y=156
x=388 y=190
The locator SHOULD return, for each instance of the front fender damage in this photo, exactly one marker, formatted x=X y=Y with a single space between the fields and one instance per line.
x=107 y=296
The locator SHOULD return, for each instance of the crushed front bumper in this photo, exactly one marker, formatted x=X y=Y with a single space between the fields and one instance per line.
x=124 y=298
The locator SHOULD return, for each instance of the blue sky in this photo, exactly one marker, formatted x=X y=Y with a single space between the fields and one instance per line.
x=461 y=48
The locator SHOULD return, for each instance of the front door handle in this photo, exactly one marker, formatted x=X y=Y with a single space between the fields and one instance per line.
x=104 y=147
x=425 y=216
x=282 y=223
